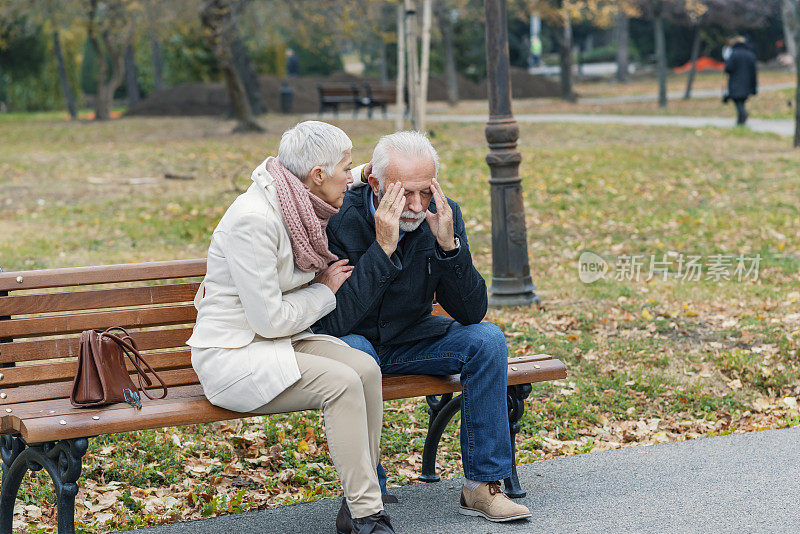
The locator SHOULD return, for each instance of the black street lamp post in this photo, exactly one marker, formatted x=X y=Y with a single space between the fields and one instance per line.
x=511 y=278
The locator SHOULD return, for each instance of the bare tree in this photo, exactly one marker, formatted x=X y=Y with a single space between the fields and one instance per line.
x=656 y=11
x=217 y=20
x=561 y=15
x=110 y=29
x=623 y=45
x=791 y=18
x=131 y=74
x=442 y=11
x=244 y=65
x=69 y=96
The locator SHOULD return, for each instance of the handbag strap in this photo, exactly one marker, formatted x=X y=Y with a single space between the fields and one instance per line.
x=129 y=348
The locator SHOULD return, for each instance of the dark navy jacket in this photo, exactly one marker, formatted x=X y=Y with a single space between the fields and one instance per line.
x=389 y=300
x=742 y=70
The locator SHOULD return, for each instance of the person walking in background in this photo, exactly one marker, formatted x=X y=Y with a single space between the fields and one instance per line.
x=536 y=51
x=292 y=63
x=742 y=76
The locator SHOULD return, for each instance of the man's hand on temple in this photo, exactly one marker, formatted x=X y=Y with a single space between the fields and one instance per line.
x=441 y=222
x=387 y=218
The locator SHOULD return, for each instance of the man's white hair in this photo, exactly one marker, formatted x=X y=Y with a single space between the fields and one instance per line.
x=310 y=144
x=407 y=144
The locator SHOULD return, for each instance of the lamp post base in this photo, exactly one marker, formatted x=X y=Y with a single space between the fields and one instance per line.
x=512 y=292
x=520 y=299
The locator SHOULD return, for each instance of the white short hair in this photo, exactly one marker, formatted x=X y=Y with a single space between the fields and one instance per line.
x=409 y=144
x=313 y=143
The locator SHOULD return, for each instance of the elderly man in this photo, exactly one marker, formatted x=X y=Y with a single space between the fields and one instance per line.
x=405 y=249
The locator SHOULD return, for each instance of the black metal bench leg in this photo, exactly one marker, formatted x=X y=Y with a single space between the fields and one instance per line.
x=441 y=411
x=61 y=460
x=516 y=408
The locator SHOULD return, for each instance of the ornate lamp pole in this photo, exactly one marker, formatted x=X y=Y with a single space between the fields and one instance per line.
x=511 y=278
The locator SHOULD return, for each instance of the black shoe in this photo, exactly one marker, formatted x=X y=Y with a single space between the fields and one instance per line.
x=344 y=521
x=373 y=524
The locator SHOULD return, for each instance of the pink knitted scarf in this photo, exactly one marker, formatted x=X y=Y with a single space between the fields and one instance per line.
x=306 y=217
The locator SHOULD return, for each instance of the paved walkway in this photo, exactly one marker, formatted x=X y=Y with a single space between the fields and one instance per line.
x=738 y=483
x=782 y=127
x=776 y=126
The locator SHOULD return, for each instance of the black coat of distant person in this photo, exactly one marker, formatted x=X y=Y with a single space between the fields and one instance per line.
x=742 y=72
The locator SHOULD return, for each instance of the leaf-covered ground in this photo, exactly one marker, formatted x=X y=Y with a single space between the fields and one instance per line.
x=650 y=361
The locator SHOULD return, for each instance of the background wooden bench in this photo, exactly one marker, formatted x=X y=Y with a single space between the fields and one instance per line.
x=331 y=95
x=379 y=96
x=41 y=316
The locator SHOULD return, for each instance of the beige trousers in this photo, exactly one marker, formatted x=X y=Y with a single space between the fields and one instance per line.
x=346 y=384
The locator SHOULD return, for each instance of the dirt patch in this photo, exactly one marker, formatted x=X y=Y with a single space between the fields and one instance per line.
x=201 y=98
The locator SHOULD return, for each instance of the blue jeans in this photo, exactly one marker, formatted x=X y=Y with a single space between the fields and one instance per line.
x=479 y=353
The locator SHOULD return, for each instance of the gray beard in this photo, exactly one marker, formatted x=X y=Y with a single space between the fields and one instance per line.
x=405 y=226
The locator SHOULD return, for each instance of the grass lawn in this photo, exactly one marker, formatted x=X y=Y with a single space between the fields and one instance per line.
x=649 y=361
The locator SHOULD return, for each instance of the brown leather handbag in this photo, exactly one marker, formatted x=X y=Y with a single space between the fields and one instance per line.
x=102 y=376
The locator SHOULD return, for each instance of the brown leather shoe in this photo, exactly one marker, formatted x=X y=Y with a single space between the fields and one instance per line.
x=489 y=501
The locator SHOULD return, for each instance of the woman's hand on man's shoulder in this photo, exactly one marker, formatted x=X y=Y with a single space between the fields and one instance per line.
x=334 y=275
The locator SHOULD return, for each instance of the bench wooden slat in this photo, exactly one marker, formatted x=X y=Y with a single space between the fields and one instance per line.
x=53 y=407
x=62 y=390
x=54 y=372
x=400 y=387
x=393 y=389
x=68 y=324
x=97 y=299
x=191 y=410
x=103 y=274
x=67 y=347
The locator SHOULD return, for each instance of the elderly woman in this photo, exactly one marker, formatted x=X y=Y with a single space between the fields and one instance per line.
x=270 y=276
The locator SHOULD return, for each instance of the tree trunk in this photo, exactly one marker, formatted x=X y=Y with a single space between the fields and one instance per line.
x=384 y=64
x=216 y=19
x=244 y=66
x=412 y=59
x=623 y=46
x=131 y=86
x=788 y=37
x=400 y=84
x=69 y=97
x=565 y=59
x=113 y=54
x=791 y=23
x=106 y=87
x=661 y=60
x=445 y=28
x=424 y=64
x=797 y=100
x=158 y=66
x=695 y=55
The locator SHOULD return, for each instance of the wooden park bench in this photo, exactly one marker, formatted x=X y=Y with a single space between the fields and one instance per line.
x=379 y=96
x=331 y=95
x=42 y=313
